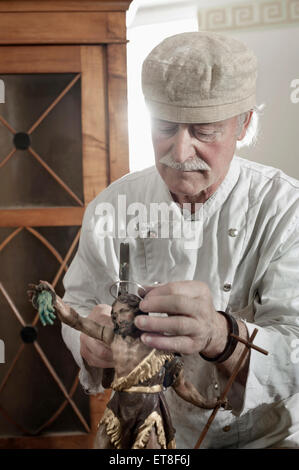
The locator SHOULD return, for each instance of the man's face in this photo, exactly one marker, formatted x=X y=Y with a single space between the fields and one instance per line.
x=196 y=156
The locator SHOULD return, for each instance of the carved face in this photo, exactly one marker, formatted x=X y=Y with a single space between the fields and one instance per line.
x=123 y=313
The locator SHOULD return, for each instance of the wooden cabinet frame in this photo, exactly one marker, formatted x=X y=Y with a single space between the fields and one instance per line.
x=87 y=38
x=104 y=120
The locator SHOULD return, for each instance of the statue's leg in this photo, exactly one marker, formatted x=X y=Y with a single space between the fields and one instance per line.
x=102 y=440
x=153 y=440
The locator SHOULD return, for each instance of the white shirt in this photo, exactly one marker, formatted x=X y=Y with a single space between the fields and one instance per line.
x=259 y=260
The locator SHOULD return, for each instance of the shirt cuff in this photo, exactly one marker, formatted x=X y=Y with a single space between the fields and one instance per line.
x=242 y=398
x=248 y=397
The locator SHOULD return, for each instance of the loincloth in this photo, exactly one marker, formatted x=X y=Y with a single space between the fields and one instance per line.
x=131 y=415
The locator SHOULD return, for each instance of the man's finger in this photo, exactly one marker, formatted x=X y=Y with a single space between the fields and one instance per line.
x=102 y=314
x=102 y=308
x=173 y=325
x=171 y=304
x=96 y=361
x=96 y=354
x=191 y=289
x=96 y=347
x=106 y=356
x=175 y=344
x=146 y=289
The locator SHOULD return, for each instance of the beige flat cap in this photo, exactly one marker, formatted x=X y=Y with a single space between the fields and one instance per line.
x=199 y=77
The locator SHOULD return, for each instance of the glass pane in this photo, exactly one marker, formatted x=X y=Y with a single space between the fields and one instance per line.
x=31 y=396
x=5 y=139
x=68 y=420
x=4 y=233
x=57 y=140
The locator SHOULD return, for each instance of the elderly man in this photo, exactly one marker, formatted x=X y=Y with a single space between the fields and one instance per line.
x=200 y=89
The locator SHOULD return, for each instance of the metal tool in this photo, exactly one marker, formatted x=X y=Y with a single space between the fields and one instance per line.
x=124 y=267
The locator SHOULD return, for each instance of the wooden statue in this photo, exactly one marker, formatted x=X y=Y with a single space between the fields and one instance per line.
x=137 y=415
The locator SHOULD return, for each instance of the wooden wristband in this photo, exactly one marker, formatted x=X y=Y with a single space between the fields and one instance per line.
x=231 y=341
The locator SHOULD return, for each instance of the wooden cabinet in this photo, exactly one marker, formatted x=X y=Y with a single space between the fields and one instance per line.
x=63 y=136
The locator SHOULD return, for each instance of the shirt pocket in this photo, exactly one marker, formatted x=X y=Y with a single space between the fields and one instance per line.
x=173 y=257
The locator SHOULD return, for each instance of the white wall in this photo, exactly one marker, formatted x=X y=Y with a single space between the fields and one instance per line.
x=273 y=39
x=278 y=55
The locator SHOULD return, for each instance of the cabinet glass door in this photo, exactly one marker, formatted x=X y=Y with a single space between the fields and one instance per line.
x=52 y=162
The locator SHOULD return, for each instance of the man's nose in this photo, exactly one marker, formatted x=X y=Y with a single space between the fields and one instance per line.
x=183 y=145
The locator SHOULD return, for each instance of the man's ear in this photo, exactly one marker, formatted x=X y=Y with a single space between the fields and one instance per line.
x=245 y=125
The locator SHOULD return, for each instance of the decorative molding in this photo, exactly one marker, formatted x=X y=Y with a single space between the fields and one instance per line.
x=256 y=14
x=63 y=5
x=159 y=11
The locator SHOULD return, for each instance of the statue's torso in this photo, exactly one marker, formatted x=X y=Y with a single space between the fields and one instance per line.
x=127 y=354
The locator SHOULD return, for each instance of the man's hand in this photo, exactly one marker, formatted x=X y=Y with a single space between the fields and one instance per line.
x=192 y=323
x=95 y=352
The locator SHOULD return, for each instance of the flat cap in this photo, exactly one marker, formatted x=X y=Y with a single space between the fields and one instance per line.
x=199 y=77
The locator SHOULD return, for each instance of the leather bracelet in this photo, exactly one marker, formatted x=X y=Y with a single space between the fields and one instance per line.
x=231 y=342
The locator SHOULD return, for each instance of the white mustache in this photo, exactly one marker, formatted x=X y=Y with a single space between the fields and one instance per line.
x=190 y=165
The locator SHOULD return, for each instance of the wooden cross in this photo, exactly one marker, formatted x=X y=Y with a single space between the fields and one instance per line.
x=249 y=344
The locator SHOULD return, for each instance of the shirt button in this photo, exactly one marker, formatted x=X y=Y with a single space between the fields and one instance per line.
x=233 y=232
x=227 y=287
x=152 y=234
x=216 y=386
x=226 y=428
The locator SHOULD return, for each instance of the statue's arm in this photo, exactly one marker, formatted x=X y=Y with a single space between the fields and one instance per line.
x=174 y=376
x=68 y=315
x=188 y=392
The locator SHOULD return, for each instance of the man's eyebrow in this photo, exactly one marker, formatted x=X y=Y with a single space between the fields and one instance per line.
x=208 y=125
x=214 y=125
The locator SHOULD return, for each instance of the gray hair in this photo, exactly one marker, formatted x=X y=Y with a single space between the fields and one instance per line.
x=251 y=135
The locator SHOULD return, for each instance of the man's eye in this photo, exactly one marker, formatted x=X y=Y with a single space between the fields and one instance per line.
x=206 y=136
x=168 y=130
